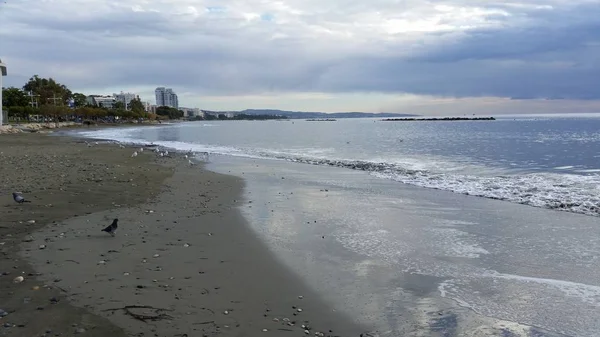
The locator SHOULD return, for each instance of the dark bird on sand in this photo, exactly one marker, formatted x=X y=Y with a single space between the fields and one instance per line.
x=112 y=228
x=19 y=198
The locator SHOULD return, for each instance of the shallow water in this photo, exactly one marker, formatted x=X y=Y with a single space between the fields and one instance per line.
x=412 y=261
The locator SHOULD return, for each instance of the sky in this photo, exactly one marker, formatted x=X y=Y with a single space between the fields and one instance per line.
x=449 y=57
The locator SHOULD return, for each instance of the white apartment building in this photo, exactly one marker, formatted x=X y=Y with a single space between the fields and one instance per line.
x=125 y=98
x=166 y=97
x=101 y=101
x=192 y=112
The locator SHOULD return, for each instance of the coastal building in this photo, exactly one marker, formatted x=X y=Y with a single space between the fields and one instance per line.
x=192 y=112
x=166 y=97
x=2 y=74
x=148 y=107
x=101 y=101
x=125 y=98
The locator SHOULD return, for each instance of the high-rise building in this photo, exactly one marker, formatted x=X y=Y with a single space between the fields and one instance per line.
x=166 y=97
x=125 y=98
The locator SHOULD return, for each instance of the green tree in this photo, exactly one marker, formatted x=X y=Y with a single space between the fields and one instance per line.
x=136 y=106
x=50 y=91
x=118 y=106
x=169 y=112
x=14 y=97
x=80 y=99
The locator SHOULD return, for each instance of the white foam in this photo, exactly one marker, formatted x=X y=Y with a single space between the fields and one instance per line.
x=587 y=293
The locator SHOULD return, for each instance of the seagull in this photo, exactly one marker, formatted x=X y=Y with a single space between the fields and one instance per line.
x=157 y=150
x=141 y=149
x=112 y=228
x=166 y=153
x=121 y=146
x=134 y=154
x=190 y=162
x=19 y=198
x=186 y=156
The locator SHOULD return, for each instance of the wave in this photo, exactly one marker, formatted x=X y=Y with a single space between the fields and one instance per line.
x=558 y=191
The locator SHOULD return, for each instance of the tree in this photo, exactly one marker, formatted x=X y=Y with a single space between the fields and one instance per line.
x=169 y=112
x=80 y=100
x=14 y=97
x=118 y=106
x=137 y=106
x=50 y=91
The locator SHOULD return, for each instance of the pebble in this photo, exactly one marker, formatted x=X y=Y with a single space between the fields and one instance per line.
x=101 y=262
x=31 y=221
x=299 y=310
x=7 y=325
x=155 y=255
x=3 y=313
x=42 y=246
x=125 y=274
x=186 y=245
x=80 y=330
x=300 y=297
x=18 y=279
x=226 y=312
x=306 y=332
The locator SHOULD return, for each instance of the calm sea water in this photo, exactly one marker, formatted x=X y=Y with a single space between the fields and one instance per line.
x=542 y=161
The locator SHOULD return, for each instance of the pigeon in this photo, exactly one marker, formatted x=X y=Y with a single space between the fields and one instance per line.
x=19 y=198
x=112 y=228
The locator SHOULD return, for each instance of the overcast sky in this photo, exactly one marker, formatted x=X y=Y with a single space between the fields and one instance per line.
x=430 y=57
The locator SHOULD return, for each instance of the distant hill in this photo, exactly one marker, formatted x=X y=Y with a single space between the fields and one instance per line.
x=302 y=114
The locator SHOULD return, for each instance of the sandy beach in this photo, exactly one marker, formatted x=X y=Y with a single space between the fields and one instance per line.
x=183 y=262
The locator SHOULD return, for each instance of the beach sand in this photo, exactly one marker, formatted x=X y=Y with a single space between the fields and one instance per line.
x=183 y=262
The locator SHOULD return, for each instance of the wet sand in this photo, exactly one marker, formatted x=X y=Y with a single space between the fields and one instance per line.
x=183 y=262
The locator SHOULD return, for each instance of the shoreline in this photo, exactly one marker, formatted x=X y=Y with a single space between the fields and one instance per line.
x=235 y=289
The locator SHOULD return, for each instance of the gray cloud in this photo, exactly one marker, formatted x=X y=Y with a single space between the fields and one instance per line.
x=528 y=53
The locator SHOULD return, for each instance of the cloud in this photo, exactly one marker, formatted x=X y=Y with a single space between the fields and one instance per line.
x=454 y=48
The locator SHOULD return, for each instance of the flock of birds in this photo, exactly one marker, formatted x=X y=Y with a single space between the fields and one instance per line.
x=165 y=153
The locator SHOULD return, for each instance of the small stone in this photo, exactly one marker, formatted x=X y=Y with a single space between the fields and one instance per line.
x=28 y=239
x=226 y=312
x=31 y=221
x=300 y=297
x=306 y=332
x=80 y=330
x=186 y=245
x=7 y=325
x=101 y=262
x=299 y=310
x=18 y=279
x=265 y=330
x=275 y=319
x=125 y=274
x=155 y=255
x=54 y=300
x=3 y=313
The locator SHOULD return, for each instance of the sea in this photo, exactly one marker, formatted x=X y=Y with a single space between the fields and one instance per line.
x=422 y=228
